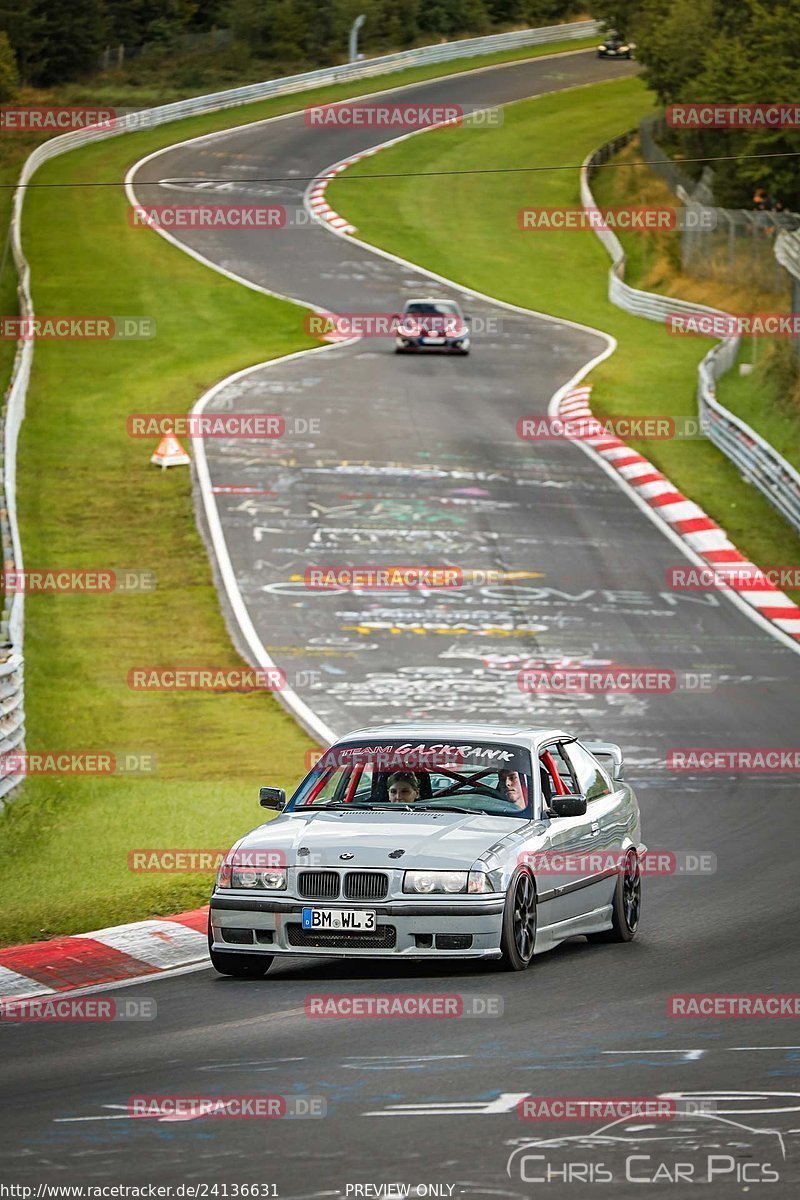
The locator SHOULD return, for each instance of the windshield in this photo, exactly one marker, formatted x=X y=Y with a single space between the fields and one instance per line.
x=400 y=777
x=438 y=308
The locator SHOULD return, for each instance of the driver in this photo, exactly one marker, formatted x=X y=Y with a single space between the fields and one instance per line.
x=403 y=787
x=510 y=787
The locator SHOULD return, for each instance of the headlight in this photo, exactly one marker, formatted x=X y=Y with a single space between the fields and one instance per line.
x=480 y=881
x=426 y=882
x=246 y=877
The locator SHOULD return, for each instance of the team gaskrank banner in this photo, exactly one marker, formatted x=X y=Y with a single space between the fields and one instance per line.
x=427 y=756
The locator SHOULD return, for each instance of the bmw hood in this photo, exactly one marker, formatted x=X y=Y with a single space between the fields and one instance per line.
x=372 y=839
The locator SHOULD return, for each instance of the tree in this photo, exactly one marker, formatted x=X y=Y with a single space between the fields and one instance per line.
x=9 y=75
x=672 y=38
x=24 y=27
x=72 y=38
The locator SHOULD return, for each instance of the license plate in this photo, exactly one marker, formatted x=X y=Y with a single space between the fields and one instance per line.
x=340 y=920
x=433 y=341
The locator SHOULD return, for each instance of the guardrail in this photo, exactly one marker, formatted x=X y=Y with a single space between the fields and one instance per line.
x=759 y=463
x=787 y=252
x=12 y=728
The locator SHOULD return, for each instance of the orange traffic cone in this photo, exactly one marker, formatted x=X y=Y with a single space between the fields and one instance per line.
x=170 y=453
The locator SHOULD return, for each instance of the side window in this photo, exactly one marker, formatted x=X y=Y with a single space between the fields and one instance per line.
x=331 y=786
x=364 y=786
x=592 y=779
x=562 y=767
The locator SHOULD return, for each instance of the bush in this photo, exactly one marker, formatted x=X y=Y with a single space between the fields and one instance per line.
x=9 y=76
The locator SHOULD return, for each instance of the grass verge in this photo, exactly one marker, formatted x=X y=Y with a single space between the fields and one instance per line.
x=562 y=273
x=769 y=397
x=88 y=498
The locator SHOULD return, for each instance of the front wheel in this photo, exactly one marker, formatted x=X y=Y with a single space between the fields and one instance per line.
x=519 y=923
x=241 y=966
x=627 y=904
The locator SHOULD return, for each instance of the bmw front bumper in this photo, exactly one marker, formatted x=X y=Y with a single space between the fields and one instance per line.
x=413 y=927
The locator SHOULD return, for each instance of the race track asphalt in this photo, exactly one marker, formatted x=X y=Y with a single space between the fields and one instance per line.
x=436 y=474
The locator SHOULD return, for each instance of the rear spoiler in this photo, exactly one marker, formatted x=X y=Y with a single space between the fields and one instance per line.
x=610 y=757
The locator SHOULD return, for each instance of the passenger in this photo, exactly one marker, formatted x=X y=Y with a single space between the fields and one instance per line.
x=403 y=787
x=510 y=787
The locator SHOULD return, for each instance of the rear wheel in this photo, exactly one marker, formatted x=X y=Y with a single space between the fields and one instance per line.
x=519 y=922
x=242 y=966
x=627 y=904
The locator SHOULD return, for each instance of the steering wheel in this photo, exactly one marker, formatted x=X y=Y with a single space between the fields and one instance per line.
x=480 y=788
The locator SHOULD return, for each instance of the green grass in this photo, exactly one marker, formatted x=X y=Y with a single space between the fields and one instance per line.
x=768 y=398
x=87 y=498
x=15 y=148
x=564 y=274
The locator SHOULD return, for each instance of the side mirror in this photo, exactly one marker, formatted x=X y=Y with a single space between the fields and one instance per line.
x=571 y=805
x=272 y=798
